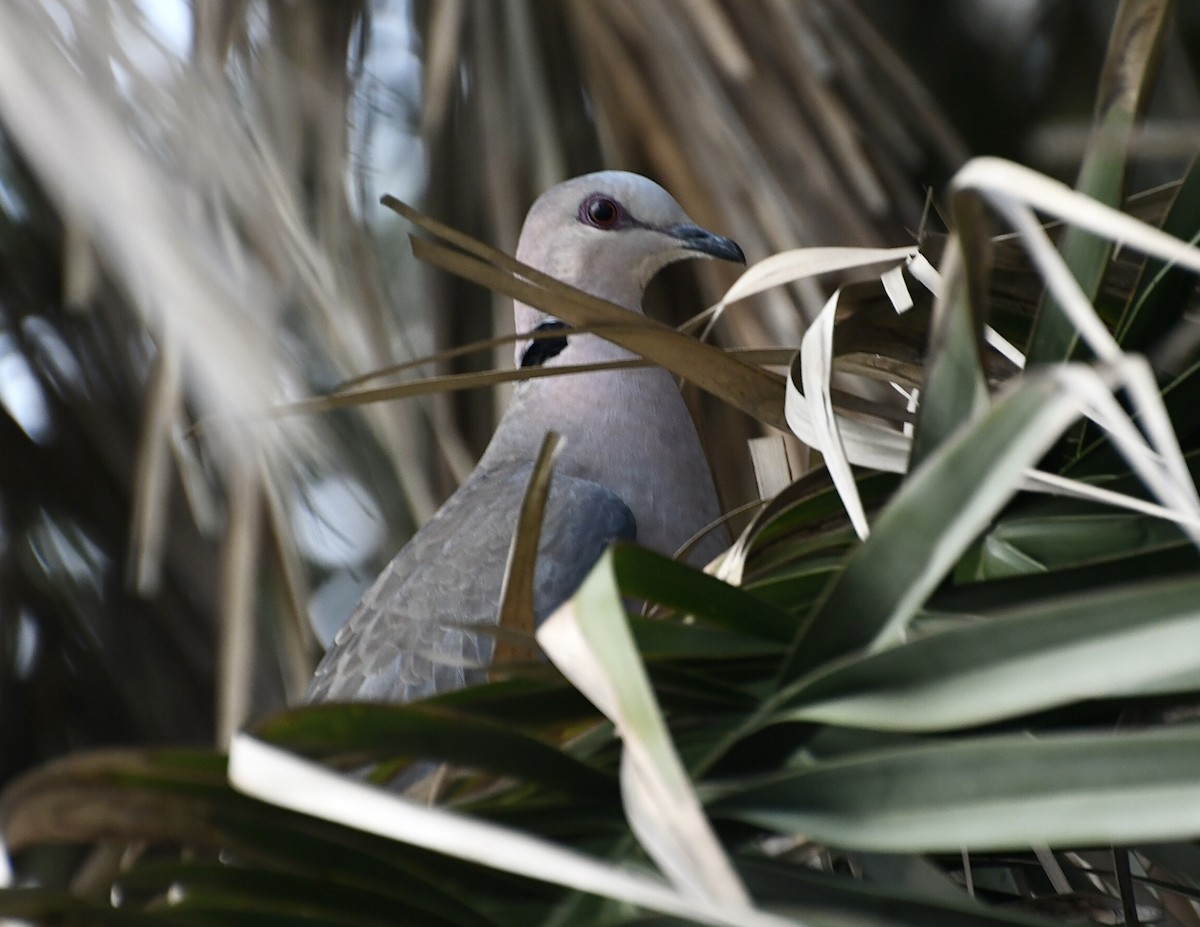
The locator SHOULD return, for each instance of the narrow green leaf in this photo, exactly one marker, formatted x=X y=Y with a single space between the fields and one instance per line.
x=422 y=730
x=819 y=897
x=955 y=390
x=328 y=897
x=141 y=795
x=992 y=793
x=1119 y=642
x=1102 y=177
x=536 y=699
x=1161 y=295
x=796 y=588
x=324 y=850
x=803 y=530
x=45 y=906
x=1130 y=64
x=647 y=575
x=929 y=523
x=1169 y=560
x=665 y=639
x=182 y=798
x=1035 y=543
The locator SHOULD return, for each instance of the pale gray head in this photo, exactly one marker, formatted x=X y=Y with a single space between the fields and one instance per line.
x=608 y=233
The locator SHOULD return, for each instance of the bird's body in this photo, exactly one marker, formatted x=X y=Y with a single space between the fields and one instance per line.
x=632 y=464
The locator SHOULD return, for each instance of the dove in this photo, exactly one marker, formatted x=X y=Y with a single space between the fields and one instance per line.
x=631 y=468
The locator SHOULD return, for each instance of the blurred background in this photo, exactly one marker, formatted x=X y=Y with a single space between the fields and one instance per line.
x=190 y=240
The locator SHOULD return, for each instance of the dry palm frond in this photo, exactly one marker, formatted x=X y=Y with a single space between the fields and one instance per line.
x=781 y=124
x=785 y=124
x=205 y=214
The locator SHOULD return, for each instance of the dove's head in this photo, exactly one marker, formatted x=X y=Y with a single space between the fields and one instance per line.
x=608 y=233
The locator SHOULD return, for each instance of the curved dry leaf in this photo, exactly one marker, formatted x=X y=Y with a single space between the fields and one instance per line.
x=753 y=390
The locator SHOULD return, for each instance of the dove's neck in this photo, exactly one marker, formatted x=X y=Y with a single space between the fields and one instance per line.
x=626 y=429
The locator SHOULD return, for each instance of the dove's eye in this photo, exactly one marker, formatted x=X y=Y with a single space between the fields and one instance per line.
x=600 y=212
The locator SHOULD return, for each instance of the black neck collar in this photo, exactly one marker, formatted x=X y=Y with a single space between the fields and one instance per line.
x=541 y=350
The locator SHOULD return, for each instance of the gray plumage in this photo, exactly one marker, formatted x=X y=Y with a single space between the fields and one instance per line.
x=632 y=465
x=389 y=652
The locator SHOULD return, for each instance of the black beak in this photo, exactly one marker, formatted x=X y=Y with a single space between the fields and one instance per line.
x=695 y=238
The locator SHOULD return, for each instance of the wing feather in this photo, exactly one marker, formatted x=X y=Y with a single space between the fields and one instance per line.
x=410 y=636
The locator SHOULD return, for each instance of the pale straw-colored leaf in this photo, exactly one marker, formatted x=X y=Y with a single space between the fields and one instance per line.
x=450 y=382
x=801 y=264
x=896 y=289
x=816 y=371
x=850 y=440
x=147 y=524
x=517 y=615
x=281 y=778
x=1014 y=191
x=589 y=640
x=996 y=178
x=237 y=594
x=1004 y=347
x=775 y=464
x=150 y=241
x=752 y=389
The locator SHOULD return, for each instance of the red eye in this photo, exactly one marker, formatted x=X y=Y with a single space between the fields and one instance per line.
x=601 y=212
